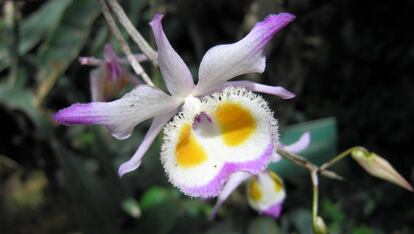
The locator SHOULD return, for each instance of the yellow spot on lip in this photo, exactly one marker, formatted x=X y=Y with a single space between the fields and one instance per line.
x=236 y=123
x=189 y=152
x=253 y=190
x=277 y=181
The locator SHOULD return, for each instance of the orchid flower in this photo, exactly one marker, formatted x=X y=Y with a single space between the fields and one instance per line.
x=213 y=135
x=265 y=191
x=110 y=76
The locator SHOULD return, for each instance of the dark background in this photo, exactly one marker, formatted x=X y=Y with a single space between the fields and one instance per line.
x=348 y=59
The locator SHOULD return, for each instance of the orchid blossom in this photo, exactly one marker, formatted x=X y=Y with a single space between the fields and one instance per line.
x=265 y=191
x=110 y=77
x=214 y=134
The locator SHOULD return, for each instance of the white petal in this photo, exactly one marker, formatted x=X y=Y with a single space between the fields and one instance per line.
x=300 y=144
x=265 y=191
x=176 y=74
x=296 y=147
x=234 y=181
x=157 y=124
x=224 y=62
x=261 y=88
x=122 y=115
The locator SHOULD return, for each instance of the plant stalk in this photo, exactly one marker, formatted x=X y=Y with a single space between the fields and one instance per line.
x=132 y=31
x=124 y=45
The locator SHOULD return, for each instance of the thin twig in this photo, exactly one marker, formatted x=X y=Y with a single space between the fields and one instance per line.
x=124 y=45
x=132 y=31
x=298 y=160
x=304 y=163
x=331 y=175
x=340 y=157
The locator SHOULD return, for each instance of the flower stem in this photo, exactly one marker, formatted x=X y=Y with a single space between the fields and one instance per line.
x=340 y=157
x=124 y=45
x=304 y=163
x=314 y=178
x=298 y=160
x=132 y=31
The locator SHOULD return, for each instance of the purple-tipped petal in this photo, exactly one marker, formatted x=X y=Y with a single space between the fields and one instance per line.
x=234 y=181
x=83 y=114
x=274 y=211
x=113 y=63
x=261 y=88
x=176 y=74
x=300 y=144
x=157 y=124
x=121 y=116
x=224 y=62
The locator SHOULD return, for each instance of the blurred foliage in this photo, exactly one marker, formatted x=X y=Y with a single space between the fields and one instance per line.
x=351 y=60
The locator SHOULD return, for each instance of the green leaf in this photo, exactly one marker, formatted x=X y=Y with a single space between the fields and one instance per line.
x=156 y=195
x=42 y=23
x=363 y=230
x=223 y=228
x=263 y=225
x=134 y=10
x=302 y=220
x=65 y=43
x=20 y=99
x=160 y=210
x=91 y=200
x=334 y=214
x=34 y=28
x=322 y=146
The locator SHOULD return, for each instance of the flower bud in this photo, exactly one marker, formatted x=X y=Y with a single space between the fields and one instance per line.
x=379 y=167
x=319 y=226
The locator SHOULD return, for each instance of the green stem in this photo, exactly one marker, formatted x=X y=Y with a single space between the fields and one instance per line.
x=302 y=162
x=341 y=156
x=314 y=177
x=13 y=11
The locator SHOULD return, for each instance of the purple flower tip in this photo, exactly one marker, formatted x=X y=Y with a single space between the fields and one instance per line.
x=128 y=167
x=83 y=60
x=288 y=95
x=77 y=114
x=113 y=63
x=157 y=18
x=276 y=22
x=281 y=17
x=274 y=211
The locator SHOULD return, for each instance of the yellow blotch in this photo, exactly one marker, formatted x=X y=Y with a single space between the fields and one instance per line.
x=253 y=190
x=188 y=152
x=277 y=181
x=236 y=123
